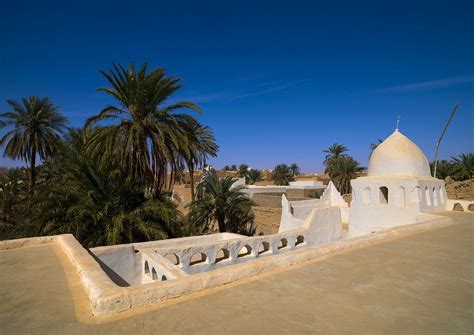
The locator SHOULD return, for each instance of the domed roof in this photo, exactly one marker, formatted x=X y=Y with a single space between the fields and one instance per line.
x=398 y=156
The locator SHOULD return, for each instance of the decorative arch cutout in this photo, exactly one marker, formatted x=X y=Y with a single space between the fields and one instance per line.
x=245 y=251
x=283 y=243
x=222 y=255
x=173 y=258
x=163 y=278
x=416 y=195
x=470 y=208
x=198 y=258
x=264 y=247
x=154 y=275
x=458 y=207
x=147 y=268
x=435 y=197
x=299 y=240
x=383 y=195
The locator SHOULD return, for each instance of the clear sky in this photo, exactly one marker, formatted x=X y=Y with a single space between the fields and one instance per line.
x=278 y=81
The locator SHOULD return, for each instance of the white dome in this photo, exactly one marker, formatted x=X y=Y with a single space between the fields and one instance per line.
x=398 y=156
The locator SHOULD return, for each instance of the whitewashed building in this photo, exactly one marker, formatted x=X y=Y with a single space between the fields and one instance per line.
x=398 y=189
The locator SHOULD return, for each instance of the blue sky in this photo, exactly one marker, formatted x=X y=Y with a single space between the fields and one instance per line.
x=278 y=81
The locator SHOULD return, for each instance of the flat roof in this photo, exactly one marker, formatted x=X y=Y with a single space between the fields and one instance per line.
x=422 y=283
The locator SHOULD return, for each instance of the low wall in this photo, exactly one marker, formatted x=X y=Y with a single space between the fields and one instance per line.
x=298 y=193
x=457 y=205
x=267 y=200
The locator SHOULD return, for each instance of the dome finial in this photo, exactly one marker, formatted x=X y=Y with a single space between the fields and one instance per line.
x=398 y=122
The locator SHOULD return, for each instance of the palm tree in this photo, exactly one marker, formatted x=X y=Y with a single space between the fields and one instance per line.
x=334 y=151
x=219 y=202
x=253 y=176
x=199 y=145
x=95 y=203
x=226 y=168
x=12 y=195
x=295 y=169
x=37 y=126
x=464 y=166
x=444 y=169
x=282 y=175
x=233 y=167
x=343 y=170
x=146 y=136
x=243 y=170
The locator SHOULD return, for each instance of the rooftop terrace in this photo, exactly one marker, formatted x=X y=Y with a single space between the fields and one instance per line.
x=420 y=283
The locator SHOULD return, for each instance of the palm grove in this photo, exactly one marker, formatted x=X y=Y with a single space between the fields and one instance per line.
x=108 y=182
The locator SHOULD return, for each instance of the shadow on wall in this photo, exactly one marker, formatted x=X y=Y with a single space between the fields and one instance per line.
x=111 y=273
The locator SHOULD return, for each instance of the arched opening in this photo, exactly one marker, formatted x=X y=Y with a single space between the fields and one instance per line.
x=245 y=251
x=458 y=207
x=299 y=240
x=401 y=197
x=264 y=247
x=222 y=254
x=198 y=258
x=435 y=197
x=428 y=197
x=147 y=267
x=163 y=278
x=383 y=195
x=154 y=275
x=292 y=210
x=470 y=208
x=415 y=195
x=173 y=258
x=366 y=196
x=283 y=243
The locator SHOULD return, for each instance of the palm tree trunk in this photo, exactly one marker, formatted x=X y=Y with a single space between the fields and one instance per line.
x=171 y=181
x=191 y=177
x=221 y=223
x=32 y=171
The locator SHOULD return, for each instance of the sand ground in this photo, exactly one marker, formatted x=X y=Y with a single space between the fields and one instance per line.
x=419 y=284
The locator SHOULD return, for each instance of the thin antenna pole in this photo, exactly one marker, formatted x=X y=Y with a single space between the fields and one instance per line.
x=441 y=137
x=398 y=122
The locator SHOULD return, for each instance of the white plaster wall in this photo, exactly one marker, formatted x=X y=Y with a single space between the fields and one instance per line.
x=123 y=261
x=313 y=183
x=324 y=226
x=295 y=213
x=407 y=197
x=252 y=189
x=288 y=221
